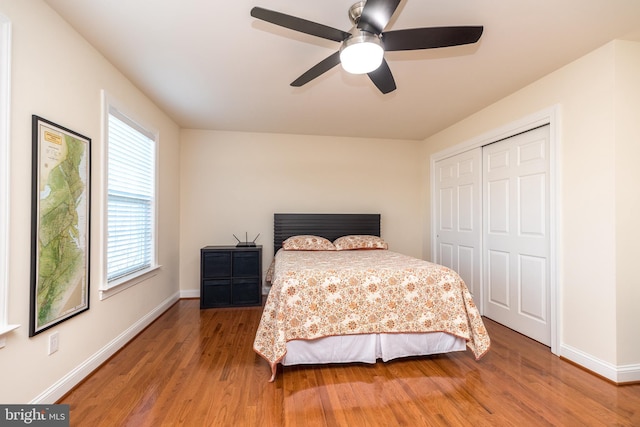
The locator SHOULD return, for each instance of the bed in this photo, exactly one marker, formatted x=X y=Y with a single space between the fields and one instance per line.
x=339 y=295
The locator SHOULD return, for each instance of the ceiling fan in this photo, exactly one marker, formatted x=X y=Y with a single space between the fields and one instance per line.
x=363 y=47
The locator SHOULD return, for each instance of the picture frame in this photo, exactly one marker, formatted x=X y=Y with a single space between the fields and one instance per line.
x=60 y=224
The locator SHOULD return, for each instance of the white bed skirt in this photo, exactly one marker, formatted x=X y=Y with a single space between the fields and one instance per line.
x=368 y=348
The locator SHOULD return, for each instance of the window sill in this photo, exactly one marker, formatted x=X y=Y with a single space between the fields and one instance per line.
x=5 y=329
x=128 y=282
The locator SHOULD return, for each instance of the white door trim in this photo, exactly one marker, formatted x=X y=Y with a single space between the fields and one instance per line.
x=550 y=116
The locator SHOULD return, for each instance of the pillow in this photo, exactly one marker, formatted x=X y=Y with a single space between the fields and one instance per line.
x=347 y=243
x=307 y=243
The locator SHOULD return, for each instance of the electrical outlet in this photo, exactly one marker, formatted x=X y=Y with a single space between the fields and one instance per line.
x=54 y=342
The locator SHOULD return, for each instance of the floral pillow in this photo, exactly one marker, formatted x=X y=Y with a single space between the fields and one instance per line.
x=307 y=243
x=347 y=243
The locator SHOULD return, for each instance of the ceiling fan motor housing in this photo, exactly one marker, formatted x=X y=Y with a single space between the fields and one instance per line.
x=355 y=12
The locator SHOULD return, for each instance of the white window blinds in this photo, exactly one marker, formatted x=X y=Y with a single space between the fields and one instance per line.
x=131 y=198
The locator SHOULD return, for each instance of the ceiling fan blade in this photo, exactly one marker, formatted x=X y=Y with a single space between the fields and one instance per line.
x=318 y=69
x=429 y=38
x=376 y=15
x=382 y=78
x=299 y=24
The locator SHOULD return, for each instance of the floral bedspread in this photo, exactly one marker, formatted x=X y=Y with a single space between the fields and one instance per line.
x=316 y=294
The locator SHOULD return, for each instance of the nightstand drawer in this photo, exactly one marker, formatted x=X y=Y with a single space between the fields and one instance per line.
x=216 y=264
x=215 y=293
x=246 y=264
x=246 y=292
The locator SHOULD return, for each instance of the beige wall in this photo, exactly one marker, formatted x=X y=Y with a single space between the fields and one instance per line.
x=57 y=75
x=596 y=149
x=627 y=177
x=232 y=182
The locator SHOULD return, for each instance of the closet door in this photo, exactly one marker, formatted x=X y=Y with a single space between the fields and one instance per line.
x=458 y=217
x=516 y=233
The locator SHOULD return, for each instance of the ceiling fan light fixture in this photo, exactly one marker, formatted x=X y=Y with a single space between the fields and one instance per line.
x=362 y=53
x=362 y=48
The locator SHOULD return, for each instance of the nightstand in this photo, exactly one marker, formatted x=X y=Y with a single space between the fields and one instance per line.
x=230 y=276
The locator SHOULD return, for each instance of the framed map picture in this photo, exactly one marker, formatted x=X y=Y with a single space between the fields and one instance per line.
x=60 y=224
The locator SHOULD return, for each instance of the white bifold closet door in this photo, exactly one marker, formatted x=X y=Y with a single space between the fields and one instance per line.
x=459 y=217
x=492 y=227
x=516 y=233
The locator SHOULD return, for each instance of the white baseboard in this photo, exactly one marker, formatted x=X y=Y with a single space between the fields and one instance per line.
x=190 y=293
x=70 y=380
x=615 y=373
x=629 y=373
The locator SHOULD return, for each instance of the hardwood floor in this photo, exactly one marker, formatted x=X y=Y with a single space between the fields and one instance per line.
x=196 y=367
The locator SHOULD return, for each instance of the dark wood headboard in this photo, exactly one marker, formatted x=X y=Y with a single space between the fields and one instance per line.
x=329 y=226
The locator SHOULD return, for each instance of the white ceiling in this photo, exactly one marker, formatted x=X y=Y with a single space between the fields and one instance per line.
x=210 y=65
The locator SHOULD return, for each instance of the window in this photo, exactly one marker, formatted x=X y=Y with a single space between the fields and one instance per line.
x=131 y=200
x=5 y=52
